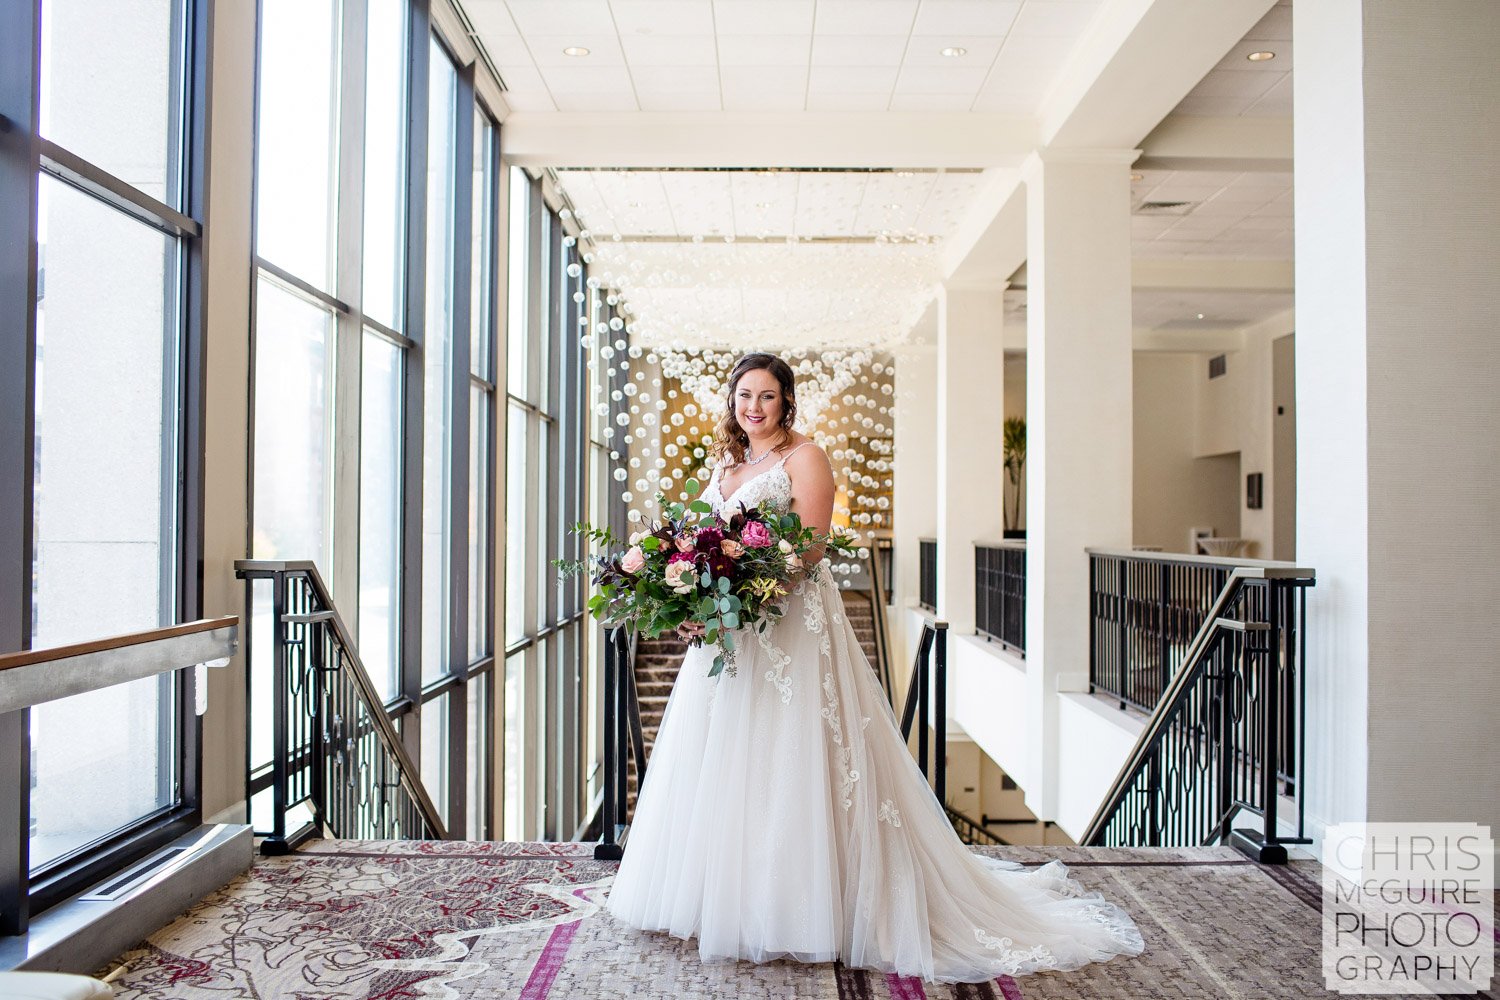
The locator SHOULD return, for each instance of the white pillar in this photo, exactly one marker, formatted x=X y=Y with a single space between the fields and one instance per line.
x=1398 y=405
x=914 y=481
x=970 y=426
x=1078 y=403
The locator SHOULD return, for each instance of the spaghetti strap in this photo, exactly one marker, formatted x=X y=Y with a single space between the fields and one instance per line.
x=794 y=451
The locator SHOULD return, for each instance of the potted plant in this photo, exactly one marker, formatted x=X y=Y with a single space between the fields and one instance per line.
x=1014 y=449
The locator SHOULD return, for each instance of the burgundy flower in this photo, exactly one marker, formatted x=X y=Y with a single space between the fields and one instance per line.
x=720 y=564
x=708 y=539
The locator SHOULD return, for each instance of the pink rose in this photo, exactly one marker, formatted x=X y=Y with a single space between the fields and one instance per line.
x=685 y=543
x=634 y=560
x=731 y=548
x=678 y=568
x=755 y=535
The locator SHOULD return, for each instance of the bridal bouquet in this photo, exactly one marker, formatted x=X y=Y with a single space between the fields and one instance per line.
x=694 y=566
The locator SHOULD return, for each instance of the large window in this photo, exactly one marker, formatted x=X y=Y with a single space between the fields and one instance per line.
x=99 y=332
x=374 y=394
x=550 y=694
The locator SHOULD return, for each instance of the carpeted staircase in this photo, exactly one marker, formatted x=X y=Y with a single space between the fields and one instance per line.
x=657 y=662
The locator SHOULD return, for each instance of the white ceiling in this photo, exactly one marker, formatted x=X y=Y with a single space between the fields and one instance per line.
x=1238 y=87
x=779 y=55
x=842 y=257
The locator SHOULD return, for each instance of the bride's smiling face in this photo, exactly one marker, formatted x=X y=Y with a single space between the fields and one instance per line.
x=758 y=404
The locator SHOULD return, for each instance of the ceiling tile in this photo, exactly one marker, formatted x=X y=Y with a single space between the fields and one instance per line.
x=530 y=100
x=753 y=100
x=764 y=50
x=586 y=79
x=598 y=100
x=818 y=101
x=1275 y=26
x=670 y=50
x=1275 y=102
x=492 y=18
x=678 y=100
x=932 y=102
x=1008 y=103
x=866 y=17
x=1212 y=107
x=505 y=49
x=853 y=79
x=940 y=79
x=663 y=17
x=559 y=17
x=763 y=17
x=524 y=77
x=770 y=80
x=965 y=17
x=858 y=50
x=1057 y=20
x=1246 y=84
x=687 y=79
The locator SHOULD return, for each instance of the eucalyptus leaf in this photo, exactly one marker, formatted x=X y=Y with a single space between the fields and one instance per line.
x=718 y=666
x=700 y=507
x=691 y=487
x=731 y=620
x=723 y=584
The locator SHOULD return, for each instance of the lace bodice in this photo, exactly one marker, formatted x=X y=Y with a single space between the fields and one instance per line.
x=771 y=488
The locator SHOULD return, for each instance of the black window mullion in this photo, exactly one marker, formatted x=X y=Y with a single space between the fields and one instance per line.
x=458 y=460
x=20 y=160
x=418 y=31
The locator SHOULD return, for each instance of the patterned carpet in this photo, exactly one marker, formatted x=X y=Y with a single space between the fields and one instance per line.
x=367 y=920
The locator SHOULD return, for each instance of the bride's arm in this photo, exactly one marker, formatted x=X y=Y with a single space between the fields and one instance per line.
x=812 y=494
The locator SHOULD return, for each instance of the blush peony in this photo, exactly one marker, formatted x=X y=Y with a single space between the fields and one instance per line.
x=634 y=560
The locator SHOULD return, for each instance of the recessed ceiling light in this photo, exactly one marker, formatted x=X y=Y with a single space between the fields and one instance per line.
x=1137 y=177
x=762 y=204
x=953 y=52
x=893 y=207
x=575 y=50
x=1200 y=315
x=1261 y=56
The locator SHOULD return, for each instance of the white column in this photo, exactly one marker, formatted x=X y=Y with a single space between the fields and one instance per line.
x=1078 y=403
x=914 y=481
x=1398 y=404
x=970 y=425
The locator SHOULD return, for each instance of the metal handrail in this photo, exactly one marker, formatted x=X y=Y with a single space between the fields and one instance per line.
x=35 y=676
x=623 y=735
x=882 y=636
x=933 y=643
x=328 y=741
x=1171 y=707
x=973 y=829
x=1189 y=559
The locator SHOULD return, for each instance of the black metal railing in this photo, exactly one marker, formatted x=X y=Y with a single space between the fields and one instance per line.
x=623 y=736
x=885 y=553
x=970 y=830
x=927 y=579
x=1144 y=611
x=1000 y=593
x=927 y=701
x=334 y=748
x=876 y=570
x=1227 y=736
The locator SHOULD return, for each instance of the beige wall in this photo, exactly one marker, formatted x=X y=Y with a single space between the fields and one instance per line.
x=1175 y=488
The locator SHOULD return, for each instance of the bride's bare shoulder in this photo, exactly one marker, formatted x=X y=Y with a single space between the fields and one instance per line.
x=804 y=453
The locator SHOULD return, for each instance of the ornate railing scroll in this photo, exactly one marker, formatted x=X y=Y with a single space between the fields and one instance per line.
x=334 y=748
x=927 y=701
x=1000 y=593
x=1226 y=739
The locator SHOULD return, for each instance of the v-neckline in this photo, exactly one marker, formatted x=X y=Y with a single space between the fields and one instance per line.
x=740 y=488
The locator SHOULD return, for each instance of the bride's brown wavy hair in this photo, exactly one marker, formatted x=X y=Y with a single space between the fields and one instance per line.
x=730 y=439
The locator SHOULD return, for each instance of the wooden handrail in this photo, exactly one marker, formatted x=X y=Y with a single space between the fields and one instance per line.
x=26 y=658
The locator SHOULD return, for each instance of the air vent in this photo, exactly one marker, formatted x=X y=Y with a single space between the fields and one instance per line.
x=1165 y=207
x=137 y=875
x=1218 y=366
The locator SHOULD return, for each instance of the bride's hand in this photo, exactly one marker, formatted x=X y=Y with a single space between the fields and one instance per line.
x=690 y=630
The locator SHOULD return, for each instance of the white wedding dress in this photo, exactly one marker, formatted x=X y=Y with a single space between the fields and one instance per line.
x=784 y=817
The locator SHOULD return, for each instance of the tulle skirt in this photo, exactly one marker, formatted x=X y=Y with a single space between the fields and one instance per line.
x=783 y=816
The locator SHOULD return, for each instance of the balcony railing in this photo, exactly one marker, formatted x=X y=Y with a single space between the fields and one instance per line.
x=1000 y=593
x=927 y=573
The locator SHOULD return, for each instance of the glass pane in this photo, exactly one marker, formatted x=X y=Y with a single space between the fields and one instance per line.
x=519 y=252
x=435 y=766
x=478 y=745
x=515 y=524
x=437 y=475
x=112 y=86
x=293 y=423
x=480 y=402
x=380 y=512
x=385 y=161
x=297 y=166
x=515 y=740
x=104 y=521
x=544 y=550
x=483 y=233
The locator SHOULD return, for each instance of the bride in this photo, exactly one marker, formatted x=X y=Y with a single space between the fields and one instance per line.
x=782 y=815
